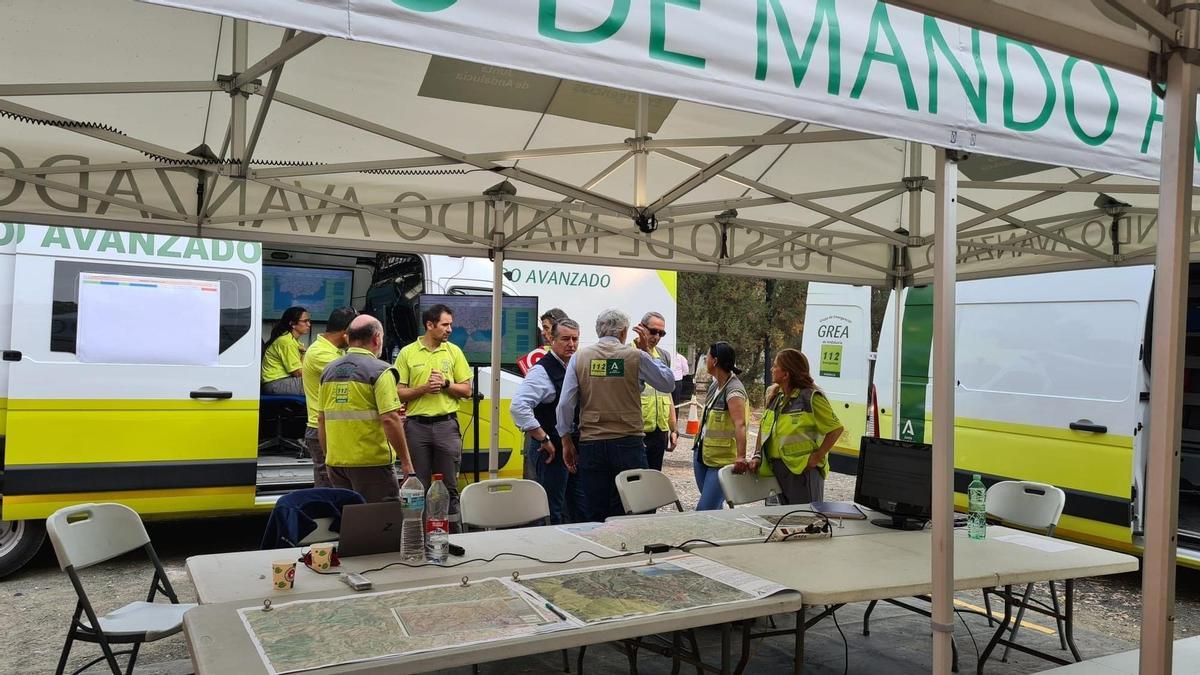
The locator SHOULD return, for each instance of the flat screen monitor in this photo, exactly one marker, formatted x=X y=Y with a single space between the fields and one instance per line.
x=320 y=290
x=472 y=332
x=895 y=478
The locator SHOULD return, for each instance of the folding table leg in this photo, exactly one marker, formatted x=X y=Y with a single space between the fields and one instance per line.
x=798 y=652
x=1017 y=621
x=867 y=617
x=1000 y=630
x=742 y=662
x=726 y=648
x=1070 y=627
x=1058 y=616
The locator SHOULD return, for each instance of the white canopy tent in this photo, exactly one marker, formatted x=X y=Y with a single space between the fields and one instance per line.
x=744 y=138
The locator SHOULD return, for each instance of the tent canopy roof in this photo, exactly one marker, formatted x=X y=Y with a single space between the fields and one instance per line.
x=380 y=148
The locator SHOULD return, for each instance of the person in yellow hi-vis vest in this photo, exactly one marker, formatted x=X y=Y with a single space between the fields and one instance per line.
x=797 y=431
x=658 y=409
x=359 y=418
x=722 y=436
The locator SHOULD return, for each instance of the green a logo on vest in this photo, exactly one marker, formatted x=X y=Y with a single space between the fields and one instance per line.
x=607 y=368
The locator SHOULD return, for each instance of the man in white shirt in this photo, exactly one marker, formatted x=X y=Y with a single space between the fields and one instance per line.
x=533 y=410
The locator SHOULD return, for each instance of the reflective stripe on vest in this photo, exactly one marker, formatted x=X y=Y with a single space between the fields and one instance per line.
x=794 y=427
x=719 y=444
x=656 y=406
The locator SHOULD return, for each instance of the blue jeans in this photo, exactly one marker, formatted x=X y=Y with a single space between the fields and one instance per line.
x=599 y=463
x=712 y=497
x=564 y=491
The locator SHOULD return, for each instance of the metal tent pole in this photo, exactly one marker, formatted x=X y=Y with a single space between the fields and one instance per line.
x=1166 y=375
x=945 y=249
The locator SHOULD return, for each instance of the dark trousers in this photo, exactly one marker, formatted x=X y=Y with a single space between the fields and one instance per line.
x=436 y=448
x=374 y=483
x=564 y=490
x=656 y=447
x=599 y=463
x=313 y=442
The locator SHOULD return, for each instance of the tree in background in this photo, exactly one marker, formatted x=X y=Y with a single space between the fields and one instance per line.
x=735 y=309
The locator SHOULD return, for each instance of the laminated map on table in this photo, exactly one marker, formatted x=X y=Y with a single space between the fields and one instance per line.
x=308 y=634
x=631 y=534
x=600 y=594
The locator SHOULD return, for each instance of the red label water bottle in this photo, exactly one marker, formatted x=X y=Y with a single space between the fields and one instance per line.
x=437 y=521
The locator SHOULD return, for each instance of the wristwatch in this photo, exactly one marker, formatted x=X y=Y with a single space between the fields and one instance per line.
x=543 y=440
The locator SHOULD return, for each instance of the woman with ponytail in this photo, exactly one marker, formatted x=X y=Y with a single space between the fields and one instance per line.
x=797 y=431
x=722 y=435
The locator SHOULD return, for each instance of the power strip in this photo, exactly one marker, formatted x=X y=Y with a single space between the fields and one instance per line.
x=795 y=533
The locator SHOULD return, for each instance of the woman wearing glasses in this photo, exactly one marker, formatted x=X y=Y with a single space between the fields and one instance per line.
x=722 y=435
x=281 y=363
x=797 y=432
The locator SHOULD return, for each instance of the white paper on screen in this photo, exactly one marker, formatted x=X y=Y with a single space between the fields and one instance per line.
x=148 y=320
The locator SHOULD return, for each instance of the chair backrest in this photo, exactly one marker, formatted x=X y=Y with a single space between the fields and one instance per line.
x=645 y=490
x=503 y=503
x=1028 y=504
x=86 y=534
x=747 y=487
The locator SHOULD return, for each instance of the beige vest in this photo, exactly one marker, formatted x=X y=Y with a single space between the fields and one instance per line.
x=610 y=396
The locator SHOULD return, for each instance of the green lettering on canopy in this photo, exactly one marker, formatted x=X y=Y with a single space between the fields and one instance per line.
x=658 y=34
x=1156 y=117
x=548 y=23
x=1010 y=121
x=825 y=15
x=1110 y=122
x=976 y=96
x=425 y=5
x=881 y=22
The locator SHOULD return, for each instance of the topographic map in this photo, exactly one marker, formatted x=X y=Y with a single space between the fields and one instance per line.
x=603 y=594
x=631 y=534
x=309 y=634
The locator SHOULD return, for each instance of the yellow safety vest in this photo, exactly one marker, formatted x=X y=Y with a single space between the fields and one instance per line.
x=656 y=406
x=789 y=432
x=718 y=438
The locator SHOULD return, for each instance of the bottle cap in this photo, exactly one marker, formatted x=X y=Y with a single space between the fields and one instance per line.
x=437 y=476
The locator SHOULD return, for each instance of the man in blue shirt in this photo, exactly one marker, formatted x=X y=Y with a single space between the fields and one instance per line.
x=533 y=410
x=606 y=379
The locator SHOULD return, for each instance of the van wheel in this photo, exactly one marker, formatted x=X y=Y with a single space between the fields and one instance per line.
x=19 y=542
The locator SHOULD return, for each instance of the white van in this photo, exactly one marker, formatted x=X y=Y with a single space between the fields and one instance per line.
x=1052 y=386
x=131 y=362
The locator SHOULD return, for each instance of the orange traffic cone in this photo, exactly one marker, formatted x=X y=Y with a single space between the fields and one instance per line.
x=693 y=421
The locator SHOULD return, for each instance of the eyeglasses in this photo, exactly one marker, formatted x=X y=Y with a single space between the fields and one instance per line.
x=656 y=332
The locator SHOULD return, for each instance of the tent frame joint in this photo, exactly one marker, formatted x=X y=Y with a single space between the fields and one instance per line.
x=915 y=183
x=227 y=85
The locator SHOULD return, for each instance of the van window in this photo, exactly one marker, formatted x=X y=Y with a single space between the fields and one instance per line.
x=1082 y=350
x=235 y=299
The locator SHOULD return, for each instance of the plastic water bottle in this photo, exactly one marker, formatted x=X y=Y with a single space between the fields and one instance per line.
x=976 y=509
x=437 y=521
x=772 y=499
x=412 y=531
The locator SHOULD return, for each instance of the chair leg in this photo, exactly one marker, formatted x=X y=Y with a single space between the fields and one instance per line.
x=66 y=651
x=867 y=617
x=987 y=606
x=132 y=658
x=1058 y=618
x=1017 y=622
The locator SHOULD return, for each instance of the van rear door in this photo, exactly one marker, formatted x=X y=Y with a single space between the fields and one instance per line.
x=837 y=342
x=138 y=381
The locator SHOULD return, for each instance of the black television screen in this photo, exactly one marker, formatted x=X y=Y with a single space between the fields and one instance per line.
x=472 y=330
x=895 y=478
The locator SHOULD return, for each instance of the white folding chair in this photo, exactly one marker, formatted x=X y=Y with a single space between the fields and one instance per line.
x=746 y=488
x=1032 y=506
x=87 y=534
x=501 y=503
x=645 y=490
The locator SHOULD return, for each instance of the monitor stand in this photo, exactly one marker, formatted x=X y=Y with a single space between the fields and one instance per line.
x=899 y=523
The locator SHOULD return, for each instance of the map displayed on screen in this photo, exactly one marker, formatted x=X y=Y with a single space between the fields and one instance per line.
x=319 y=290
x=473 y=325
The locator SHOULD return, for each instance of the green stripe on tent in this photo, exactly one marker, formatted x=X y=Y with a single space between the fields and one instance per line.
x=915 y=352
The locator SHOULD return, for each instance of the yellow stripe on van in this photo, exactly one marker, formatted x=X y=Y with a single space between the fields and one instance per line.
x=175 y=501
x=91 y=431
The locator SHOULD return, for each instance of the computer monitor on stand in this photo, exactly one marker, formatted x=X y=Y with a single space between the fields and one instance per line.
x=895 y=478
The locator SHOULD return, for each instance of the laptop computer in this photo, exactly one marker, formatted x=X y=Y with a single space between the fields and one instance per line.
x=370 y=528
